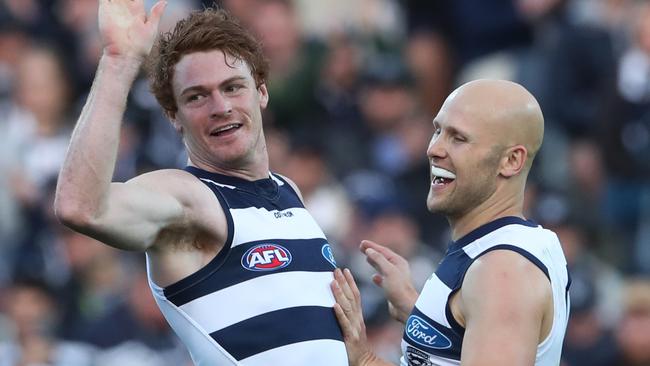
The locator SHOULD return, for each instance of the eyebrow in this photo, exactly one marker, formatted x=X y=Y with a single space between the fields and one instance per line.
x=201 y=88
x=451 y=129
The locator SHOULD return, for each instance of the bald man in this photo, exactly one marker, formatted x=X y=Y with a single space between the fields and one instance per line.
x=500 y=294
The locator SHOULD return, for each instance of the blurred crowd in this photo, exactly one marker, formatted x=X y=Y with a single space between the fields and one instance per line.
x=354 y=85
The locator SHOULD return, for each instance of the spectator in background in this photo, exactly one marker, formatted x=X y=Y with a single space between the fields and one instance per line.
x=483 y=36
x=626 y=140
x=134 y=332
x=324 y=197
x=588 y=342
x=428 y=57
x=37 y=124
x=33 y=314
x=569 y=66
x=295 y=66
x=632 y=334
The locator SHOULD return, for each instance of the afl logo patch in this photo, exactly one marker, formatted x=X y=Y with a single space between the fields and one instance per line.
x=266 y=257
x=421 y=332
x=326 y=250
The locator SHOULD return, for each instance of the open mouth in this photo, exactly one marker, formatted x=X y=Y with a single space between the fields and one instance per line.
x=226 y=130
x=441 y=177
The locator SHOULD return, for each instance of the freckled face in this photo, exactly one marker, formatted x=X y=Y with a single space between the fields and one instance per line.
x=219 y=109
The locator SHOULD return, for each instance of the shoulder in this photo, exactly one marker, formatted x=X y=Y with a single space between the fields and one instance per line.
x=504 y=279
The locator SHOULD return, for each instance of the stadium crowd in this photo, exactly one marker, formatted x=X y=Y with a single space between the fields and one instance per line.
x=353 y=87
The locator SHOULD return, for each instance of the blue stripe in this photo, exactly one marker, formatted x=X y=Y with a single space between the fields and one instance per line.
x=452 y=268
x=488 y=228
x=568 y=286
x=459 y=329
x=521 y=251
x=279 y=328
x=306 y=256
x=453 y=352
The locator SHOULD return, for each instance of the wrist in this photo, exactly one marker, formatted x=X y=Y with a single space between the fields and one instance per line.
x=128 y=65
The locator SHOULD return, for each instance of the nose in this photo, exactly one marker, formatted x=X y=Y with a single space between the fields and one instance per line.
x=436 y=149
x=221 y=105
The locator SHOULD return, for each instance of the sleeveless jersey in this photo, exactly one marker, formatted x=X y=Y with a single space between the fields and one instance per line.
x=433 y=337
x=265 y=298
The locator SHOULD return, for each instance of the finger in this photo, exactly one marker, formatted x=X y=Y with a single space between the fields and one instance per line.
x=339 y=297
x=344 y=322
x=353 y=285
x=385 y=251
x=157 y=12
x=379 y=262
x=344 y=285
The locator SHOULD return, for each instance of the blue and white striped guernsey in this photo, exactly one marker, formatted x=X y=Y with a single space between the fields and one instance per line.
x=433 y=337
x=265 y=298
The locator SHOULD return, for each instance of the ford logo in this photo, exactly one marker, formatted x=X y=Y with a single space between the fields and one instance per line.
x=424 y=334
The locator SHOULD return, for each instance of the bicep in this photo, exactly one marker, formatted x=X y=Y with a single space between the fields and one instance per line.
x=134 y=216
x=502 y=300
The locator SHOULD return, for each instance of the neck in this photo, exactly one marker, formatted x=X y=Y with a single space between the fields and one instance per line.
x=253 y=167
x=493 y=208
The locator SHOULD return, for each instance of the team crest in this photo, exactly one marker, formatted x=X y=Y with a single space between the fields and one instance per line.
x=415 y=357
x=326 y=250
x=266 y=257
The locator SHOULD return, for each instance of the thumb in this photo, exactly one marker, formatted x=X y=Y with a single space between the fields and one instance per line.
x=156 y=13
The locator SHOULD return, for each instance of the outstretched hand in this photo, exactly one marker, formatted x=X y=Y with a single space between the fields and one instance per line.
x=394 y=277
x=125 y=29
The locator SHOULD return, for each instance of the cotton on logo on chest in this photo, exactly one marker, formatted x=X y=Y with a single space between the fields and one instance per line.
x=266 y=257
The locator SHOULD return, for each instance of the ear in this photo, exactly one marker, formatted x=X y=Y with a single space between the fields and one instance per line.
x=513 y=161
x=264 y=95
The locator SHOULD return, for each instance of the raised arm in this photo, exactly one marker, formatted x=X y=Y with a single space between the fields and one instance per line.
x=85 y=198
x=503 y=301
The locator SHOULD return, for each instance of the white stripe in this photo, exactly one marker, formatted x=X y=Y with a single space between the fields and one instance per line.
x=242 y=301
x=433 y=291
x=322 y=352
x=203 y=348
x=252 y=224
x=218 y=184
x=278 y=181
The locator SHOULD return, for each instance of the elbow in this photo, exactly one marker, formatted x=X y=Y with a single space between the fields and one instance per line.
x=72 y=214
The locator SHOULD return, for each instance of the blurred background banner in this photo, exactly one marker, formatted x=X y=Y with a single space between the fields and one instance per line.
x=354 y=86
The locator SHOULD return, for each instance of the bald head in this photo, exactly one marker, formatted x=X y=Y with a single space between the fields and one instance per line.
x=506 y=111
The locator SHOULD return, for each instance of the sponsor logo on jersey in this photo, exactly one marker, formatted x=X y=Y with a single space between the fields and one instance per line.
x=327 y=253
x=266 y=257
x=424 y=334
x=282 y=214
x=415 y=357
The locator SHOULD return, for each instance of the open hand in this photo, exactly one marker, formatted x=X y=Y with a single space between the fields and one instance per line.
x=125 y=29
x=394 y=277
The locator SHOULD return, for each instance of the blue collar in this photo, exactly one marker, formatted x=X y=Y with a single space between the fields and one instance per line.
x=488 y=228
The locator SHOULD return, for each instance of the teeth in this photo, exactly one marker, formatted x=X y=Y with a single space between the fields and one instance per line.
x=442 y=173
x=227 y=127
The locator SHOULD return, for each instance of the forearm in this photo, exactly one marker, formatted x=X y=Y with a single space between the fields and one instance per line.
x=87 y=171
